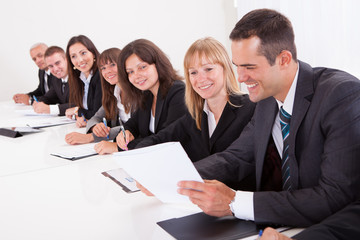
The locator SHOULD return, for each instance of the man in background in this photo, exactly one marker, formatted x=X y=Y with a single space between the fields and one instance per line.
x=56 y=100
x=37 y=52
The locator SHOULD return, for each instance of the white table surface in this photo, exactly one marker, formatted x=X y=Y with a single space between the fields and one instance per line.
x=46 y=197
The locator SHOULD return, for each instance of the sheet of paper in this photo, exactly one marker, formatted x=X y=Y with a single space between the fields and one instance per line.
x=31 y=112
x=121 y=177
x=159 y=168
x=73 y=152
x=49 y=121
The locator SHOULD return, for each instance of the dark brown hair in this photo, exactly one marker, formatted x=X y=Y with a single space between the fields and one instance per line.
x=76 y=86
x=109 y=101
x=148 y=52
x=272 y=28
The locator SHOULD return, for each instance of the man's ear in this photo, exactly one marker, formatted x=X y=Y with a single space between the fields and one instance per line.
x=284 y=58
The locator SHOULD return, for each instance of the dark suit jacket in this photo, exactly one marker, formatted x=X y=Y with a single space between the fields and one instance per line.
x=40 y=90
x=56 y=96
x=168 y=109
x=197 y=143
x=342 y=225
x=94 y=100
x=324 y=150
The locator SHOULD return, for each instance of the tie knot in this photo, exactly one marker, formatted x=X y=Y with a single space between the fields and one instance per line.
x=285 y=117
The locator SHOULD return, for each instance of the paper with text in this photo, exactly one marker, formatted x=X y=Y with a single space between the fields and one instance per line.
x=159 y=168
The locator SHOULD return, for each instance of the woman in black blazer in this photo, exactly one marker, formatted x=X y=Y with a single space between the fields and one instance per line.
x=154 y=91
x=218 y=111
x=84 y=79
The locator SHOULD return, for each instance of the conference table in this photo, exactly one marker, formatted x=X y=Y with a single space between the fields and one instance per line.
x=47 y=197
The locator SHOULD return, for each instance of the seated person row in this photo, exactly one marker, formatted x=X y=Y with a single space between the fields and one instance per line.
x=112 y=108
x=37 y=53
x=217 y=110
x=56 y=100
x=84 y=79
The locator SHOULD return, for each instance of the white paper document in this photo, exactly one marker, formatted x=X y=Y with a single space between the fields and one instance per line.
x=74 y=152
x=123 y=179
x=49 y=121
x=159 y=168
x=31 y=112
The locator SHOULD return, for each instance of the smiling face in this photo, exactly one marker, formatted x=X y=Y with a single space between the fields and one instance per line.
x=110 y=72
x=142 y=75
x=207 y=79
x=57 y=65
x=81 y=58
x=37 y=55
x=261 y=79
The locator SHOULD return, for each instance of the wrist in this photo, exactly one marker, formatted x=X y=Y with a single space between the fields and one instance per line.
x=231 y=204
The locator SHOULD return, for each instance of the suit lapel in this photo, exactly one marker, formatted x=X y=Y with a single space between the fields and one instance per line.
x=303 y=96
x=265 y=111
x=227 y=117
x=158 y=108
x=205 y=130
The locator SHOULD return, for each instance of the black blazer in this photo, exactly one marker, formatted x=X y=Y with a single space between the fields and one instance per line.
x=342 y=225
x=40 y=90
x=197 y=143
x=168 y=109
x=323 y=150
x=56 y=96
x=94 y=100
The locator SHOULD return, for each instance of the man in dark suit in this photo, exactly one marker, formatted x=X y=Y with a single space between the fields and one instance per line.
x=56 y=100
x=37 y=52
x=342 y=225
x=313 y=170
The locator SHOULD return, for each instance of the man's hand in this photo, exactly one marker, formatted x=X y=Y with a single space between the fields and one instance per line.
x=40 y=107
x=213 y=197
x=21 y=98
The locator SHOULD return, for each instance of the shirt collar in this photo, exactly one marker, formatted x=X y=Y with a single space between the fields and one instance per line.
x=84 y=79
x=48 y=72
x=65 y=79
x=288 y=103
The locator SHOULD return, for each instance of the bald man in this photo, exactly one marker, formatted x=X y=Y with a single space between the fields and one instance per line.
x=37 y=53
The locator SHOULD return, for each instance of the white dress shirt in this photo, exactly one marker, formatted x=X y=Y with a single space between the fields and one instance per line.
x=123 y=115
x=243 y=204
x=54 y=108
x=211 y=119
x=86 y=82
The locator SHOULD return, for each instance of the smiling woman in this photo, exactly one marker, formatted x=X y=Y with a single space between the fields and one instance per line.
x=84 y=79
x=154 y=91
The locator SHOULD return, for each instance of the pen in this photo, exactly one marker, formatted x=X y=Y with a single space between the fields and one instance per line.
x=83 y=117
x=122 y=129
x=260 y=234
x=104 y=121
x=34 y=97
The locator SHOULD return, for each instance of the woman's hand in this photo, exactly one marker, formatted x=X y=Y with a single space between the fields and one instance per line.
x=78 y=138
x=105 y=147
x=121 y=142
x=100 y=130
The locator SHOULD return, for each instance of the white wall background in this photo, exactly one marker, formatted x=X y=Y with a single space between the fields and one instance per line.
x=327 y=32
x=172 y=25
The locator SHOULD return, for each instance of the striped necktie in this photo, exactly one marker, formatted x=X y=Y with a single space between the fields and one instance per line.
x=285 y=165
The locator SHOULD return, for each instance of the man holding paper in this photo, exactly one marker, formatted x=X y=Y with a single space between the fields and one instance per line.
x=302 y=142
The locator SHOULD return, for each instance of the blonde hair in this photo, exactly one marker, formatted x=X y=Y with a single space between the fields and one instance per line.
x=215 y=53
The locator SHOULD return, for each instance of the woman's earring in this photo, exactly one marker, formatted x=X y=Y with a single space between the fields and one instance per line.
x=74 y=68
x=94 y=59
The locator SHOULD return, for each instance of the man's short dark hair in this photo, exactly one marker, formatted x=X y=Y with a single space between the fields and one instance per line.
x=272 y=28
